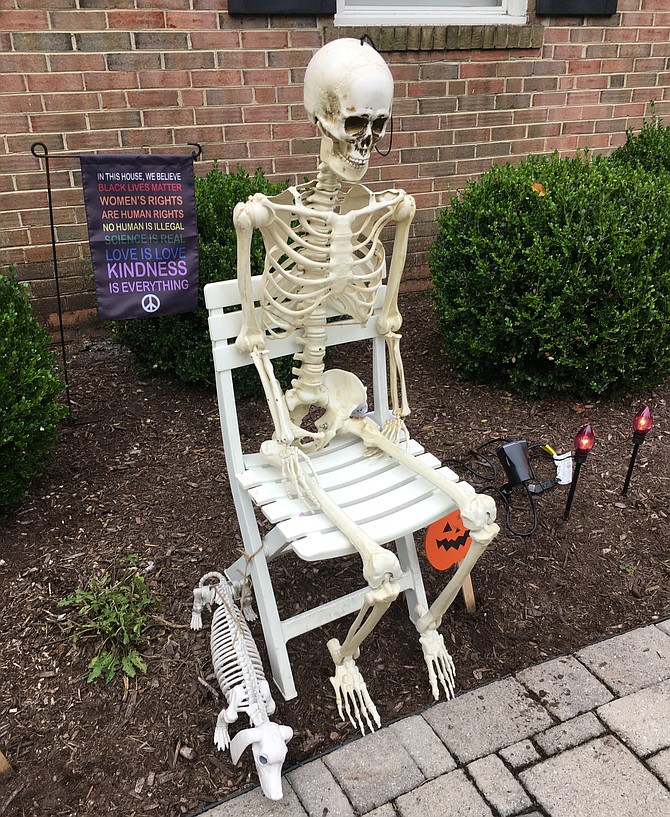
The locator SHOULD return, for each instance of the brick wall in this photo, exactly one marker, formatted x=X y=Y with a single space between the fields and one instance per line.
x=152 y=75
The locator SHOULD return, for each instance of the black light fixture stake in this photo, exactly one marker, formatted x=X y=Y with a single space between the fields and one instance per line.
x=584 y=441
x=643 y=422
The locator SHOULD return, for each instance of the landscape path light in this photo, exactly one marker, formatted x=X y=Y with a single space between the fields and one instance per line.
x=643 y=422
x=585 y=439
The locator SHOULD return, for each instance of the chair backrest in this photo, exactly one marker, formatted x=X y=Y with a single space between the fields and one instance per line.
x=225 y=320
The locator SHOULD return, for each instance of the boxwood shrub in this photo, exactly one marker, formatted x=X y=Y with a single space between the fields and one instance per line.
x=648 y=149
x=553 y=277
x=180 y=344
x=29 y=386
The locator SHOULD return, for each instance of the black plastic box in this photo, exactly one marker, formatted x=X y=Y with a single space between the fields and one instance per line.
x=564 y=8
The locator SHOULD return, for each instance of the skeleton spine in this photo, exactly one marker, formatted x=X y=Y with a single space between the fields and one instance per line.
x=235 y=656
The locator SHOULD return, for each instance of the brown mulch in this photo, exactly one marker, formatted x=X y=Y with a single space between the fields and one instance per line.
x=142 y=472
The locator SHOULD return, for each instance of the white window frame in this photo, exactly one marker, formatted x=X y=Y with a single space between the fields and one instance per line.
x=378 y=13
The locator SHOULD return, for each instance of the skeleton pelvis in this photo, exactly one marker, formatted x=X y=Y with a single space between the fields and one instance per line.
x=343 y=393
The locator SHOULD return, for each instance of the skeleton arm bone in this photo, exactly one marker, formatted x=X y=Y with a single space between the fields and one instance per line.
x=390 y=319
x=246 y=216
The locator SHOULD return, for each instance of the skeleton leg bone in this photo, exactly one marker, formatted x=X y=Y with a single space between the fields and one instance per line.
x=477 y=512
x=381 y=568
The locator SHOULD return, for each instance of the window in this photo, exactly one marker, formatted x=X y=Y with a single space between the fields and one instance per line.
x=430 y=12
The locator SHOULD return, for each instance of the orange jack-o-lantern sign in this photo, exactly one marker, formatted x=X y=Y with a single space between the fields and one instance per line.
x=447 y=541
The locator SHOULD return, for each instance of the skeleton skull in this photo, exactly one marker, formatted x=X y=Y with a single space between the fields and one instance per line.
x=348 y=95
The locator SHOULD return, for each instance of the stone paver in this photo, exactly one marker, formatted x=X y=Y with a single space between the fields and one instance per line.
x=318 y=790
x=660 y=763
x=631 y=661
x=664 y=626
x=487 y=719
x=254 y=804
x=424 y=746
x=597 y=779
x=374 y=770
x=569 y=734
x=386 y=810
x=451 y=795
x=642 y=720
x=498 y=785
x=565 y=687
x=520 y=754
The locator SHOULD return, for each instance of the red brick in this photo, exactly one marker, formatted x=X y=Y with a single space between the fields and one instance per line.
x=45 y=122
x=168 y=116
x=470 y=70
x=136 y=20
x=90 y=140
x=12 y=84
x=218 y=116
x=304 y=38
x=514 y=68
x=192 y=20
x=584 y=66
x=204 y=135
x=77 y=61
x=563 y=144
x=110 y=80
x=189 y=60
x=14 y=124
x=164 y=79
x=273 y=148
x=153 y=99
x=486 y=86
x=266 y=95
x=633 y=109
x=595 y=141
x=580 y=126
x=214 y=79
x=554 y=34
x=72 y=21
x=635 y=50
x=192 y=97
x=645 y=94
x=570 y=52
x=108 y=120
x=650 y=64
x=495 y=118
x=246 y=133
x=110 y=100
x=229 y=96
x=265 y=113
x=271 y=40
x=23 y=63
x=21 y=103
x=55 y=82
x=144 y=136
x=591 y=81
x=24 y=20
x=104 y=41
x=275 y=76
x=213 y=40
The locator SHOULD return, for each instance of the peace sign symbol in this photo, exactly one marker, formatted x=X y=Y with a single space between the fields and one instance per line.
x=151 y=303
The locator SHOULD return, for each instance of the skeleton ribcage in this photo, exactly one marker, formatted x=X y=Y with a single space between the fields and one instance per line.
x=234 y=653
x=310 y=264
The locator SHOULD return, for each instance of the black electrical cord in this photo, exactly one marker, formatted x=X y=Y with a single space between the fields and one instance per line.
x=505 y=494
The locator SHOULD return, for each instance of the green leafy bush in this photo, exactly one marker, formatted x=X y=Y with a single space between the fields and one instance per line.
x=553 y=277
x=180 y=344
x=648 y=149
x=29 y=385
x=113 y=611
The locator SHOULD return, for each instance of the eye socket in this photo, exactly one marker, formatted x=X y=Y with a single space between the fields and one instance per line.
x=262 y=760
x=355 y=124
x=379 y=124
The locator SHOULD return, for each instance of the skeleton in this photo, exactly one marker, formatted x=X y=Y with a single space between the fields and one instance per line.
x=239 y=671
x=323 y=251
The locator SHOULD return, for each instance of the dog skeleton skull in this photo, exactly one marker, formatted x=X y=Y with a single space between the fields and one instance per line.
x=348 y=95
x=323 y=250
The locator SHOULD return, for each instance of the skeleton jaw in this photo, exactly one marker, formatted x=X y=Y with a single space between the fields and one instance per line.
x=348 y=165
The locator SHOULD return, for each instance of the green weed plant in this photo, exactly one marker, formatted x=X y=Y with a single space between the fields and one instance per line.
x=112 y=611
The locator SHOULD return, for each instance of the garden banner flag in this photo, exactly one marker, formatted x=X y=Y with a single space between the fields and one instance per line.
x=142 y=232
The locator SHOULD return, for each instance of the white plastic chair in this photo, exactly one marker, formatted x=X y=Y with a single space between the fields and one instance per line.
x=388 y=500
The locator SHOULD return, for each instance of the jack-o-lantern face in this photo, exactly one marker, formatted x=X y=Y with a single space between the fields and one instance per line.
x=447 y=541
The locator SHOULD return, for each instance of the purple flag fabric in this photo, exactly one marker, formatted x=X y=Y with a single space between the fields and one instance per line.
x=142 y=233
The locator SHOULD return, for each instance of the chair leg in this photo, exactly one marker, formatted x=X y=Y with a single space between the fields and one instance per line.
x=409 y=561
x=469 y=595
x=273 y=633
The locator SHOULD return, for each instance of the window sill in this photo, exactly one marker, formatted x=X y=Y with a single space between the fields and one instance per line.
x=443 y=38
